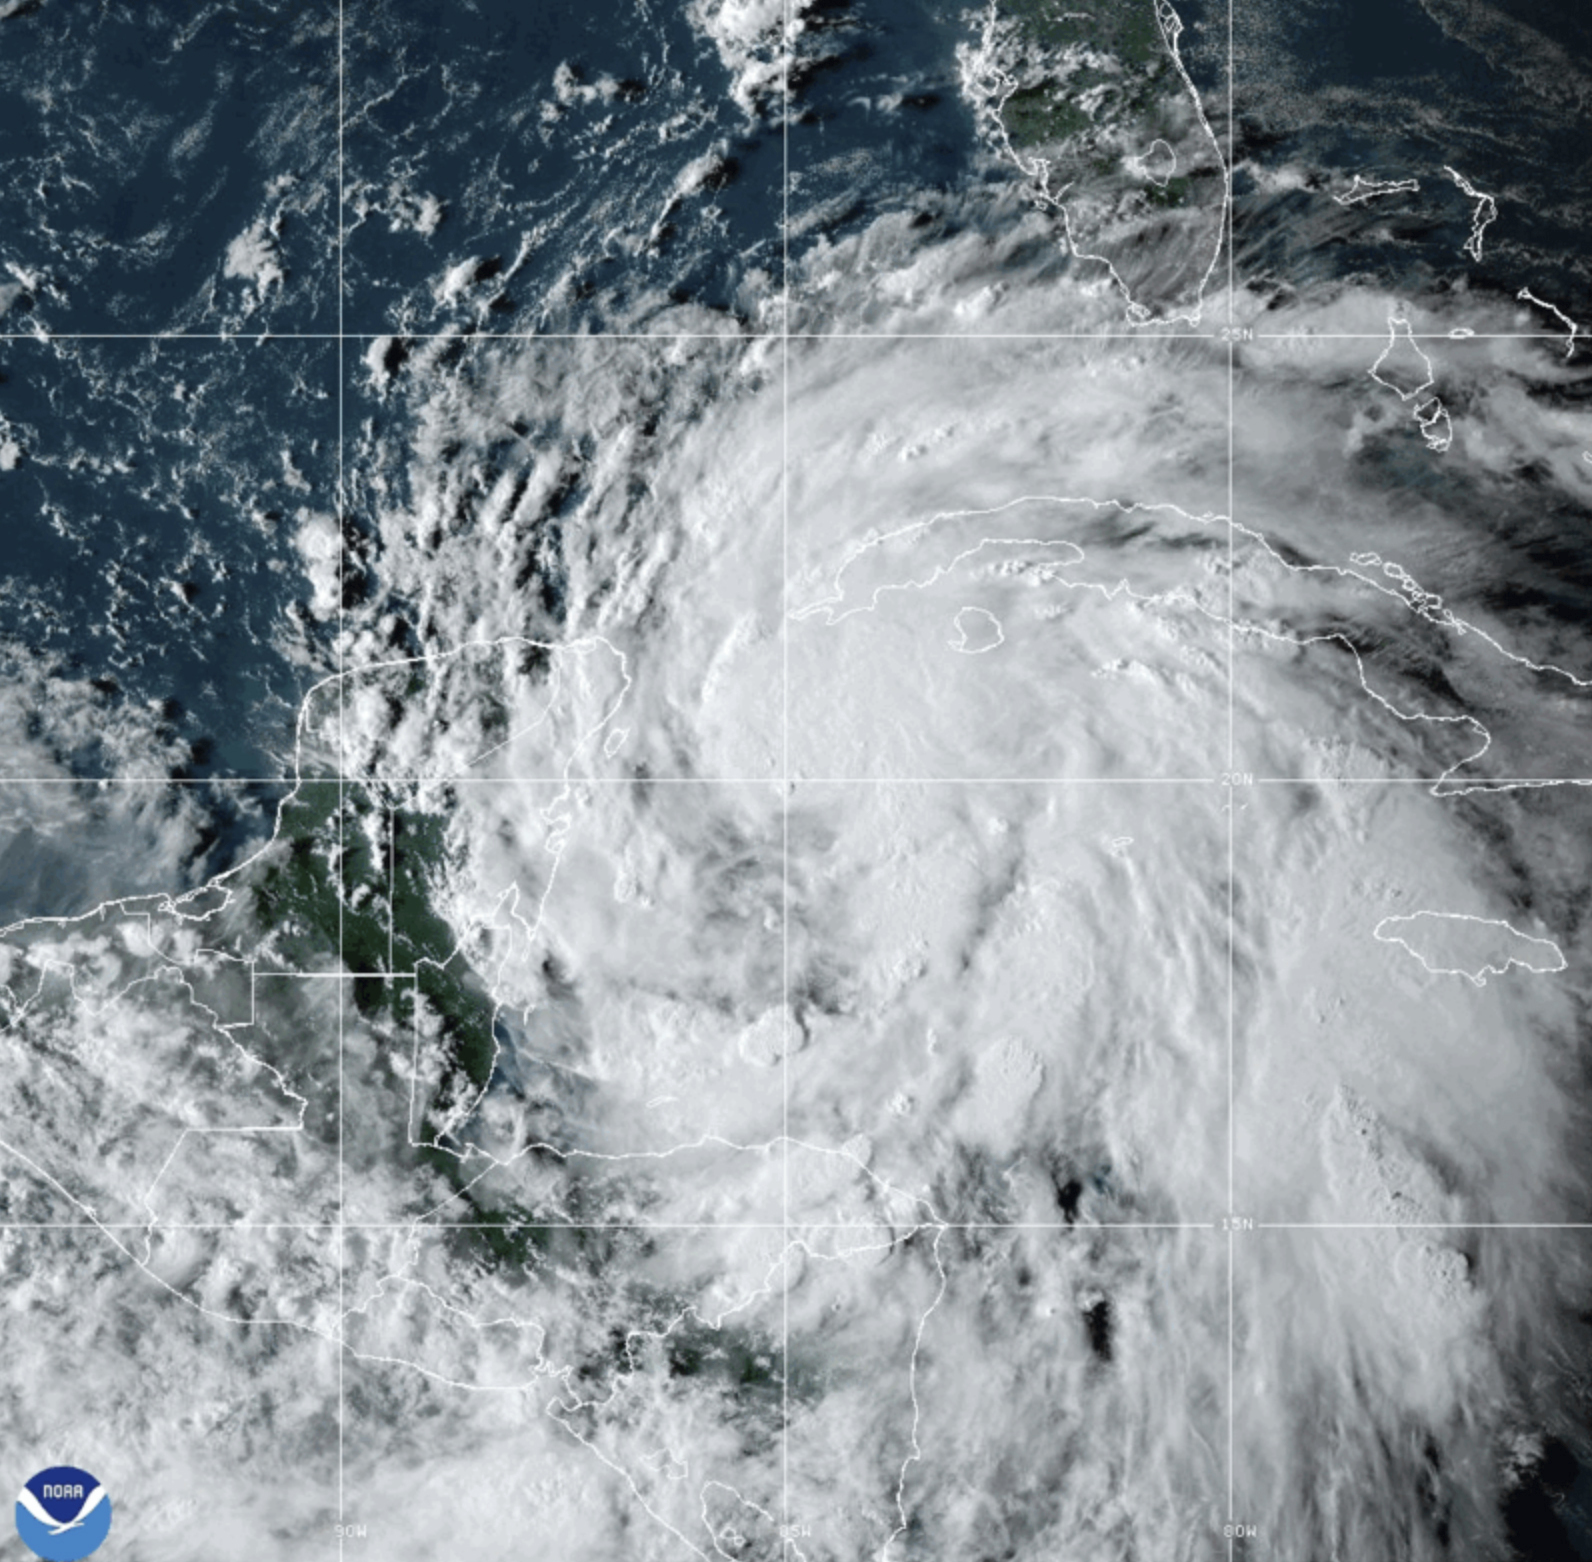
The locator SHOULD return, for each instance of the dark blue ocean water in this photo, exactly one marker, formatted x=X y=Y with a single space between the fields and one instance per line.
x=533 y=154
x=150 y=532
x=550 y=138
x=1501 y=96
x=137 y=140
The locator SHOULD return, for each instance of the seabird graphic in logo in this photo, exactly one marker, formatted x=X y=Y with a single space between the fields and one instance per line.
x=63 y=1514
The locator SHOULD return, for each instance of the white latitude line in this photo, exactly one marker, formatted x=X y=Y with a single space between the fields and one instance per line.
x=1150 y=332
x=1448 y=788
x=1080 y=1228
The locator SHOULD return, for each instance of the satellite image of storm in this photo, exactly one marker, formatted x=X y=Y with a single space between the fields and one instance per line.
x=796 y=780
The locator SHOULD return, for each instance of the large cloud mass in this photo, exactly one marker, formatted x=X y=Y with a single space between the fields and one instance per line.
x=967 y=942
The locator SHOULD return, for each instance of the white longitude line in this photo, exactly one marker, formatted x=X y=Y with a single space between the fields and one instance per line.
x=342 y=761
x=1232 y=766
x=787 y=43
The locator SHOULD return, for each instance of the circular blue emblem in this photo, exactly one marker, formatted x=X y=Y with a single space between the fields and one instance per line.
x=63 y=1513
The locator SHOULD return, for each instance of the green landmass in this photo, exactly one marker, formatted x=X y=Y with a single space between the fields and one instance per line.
x=1126 y=28
x=351 y=879
x=1174 y=192
x=1036 y=116
x=1114 y=51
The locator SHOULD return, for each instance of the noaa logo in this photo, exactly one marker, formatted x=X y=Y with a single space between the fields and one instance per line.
x=63 y=1514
